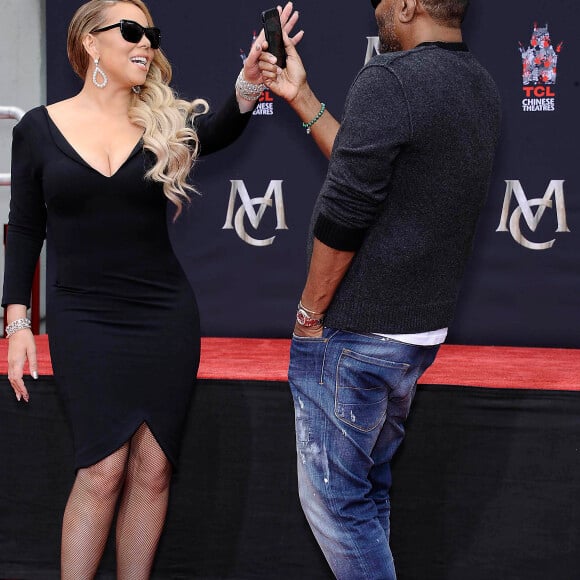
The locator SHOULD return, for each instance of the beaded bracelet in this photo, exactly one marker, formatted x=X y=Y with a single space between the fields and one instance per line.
x=308 y=126
x=18 y=324
x=248 y=91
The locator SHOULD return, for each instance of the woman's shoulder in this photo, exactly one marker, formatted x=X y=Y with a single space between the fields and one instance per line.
x=32 y=119
x=40 y=115
x=62 y=106
x=35 y=113
x=38 y=119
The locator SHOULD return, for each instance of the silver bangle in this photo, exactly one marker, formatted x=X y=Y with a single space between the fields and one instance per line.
x=312 y=313
x=246 y=90
x=18 y=324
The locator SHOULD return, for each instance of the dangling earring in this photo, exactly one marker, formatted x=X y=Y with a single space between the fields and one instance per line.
x=136 y=89
x=99 y=71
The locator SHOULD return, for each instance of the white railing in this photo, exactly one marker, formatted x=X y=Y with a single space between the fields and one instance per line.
x=9 y=113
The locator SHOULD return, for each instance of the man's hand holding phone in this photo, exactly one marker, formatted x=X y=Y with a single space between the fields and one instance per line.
x=285 y=75
x=273 y=33
x=288 y=18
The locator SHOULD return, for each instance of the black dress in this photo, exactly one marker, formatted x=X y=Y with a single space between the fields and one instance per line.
x=122 y=318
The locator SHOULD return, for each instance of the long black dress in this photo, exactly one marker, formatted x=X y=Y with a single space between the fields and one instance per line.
x=122 y=318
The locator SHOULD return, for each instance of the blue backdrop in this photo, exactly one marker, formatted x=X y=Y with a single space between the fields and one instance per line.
x=242 y=243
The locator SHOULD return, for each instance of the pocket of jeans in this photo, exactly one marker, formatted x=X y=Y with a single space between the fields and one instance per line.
x=362 y=389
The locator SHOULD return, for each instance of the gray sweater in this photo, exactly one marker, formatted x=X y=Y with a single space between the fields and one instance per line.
x=407 y=179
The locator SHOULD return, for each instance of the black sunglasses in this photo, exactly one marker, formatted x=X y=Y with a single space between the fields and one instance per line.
x=133 y=32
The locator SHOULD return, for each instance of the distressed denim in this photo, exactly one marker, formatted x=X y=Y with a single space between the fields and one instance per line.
x=352 y=394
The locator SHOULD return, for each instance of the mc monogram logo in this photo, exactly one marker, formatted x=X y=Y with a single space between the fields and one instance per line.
x=555 y=189
x=235 y=219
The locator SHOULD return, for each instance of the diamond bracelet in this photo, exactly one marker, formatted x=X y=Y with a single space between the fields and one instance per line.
x=18 y=324
x=248 y=91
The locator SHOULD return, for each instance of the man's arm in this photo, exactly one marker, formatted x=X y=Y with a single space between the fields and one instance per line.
x=291 y=84
x=325 y=128
x=327 y=269
x=356 y=186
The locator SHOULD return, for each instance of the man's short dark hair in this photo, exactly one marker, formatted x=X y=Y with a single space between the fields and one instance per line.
x=450 y=12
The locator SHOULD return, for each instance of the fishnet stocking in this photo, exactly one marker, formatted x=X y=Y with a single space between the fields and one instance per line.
x=88 y=515
x=143 y=506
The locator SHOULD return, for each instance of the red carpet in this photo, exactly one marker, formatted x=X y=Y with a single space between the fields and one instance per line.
x=477 y=366
x=483 y=471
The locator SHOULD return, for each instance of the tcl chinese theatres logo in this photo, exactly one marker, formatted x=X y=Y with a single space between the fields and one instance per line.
x=539 y=71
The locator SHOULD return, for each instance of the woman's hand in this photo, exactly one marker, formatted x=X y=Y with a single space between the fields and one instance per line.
x=288 y=19
x=21 y=347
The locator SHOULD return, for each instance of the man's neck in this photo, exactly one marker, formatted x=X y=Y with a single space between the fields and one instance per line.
x=432 y=33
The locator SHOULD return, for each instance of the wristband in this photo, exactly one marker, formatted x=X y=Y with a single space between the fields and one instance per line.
x=303 y=318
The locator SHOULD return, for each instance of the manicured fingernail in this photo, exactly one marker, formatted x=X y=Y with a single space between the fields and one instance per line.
x=18 y=397
x=34 y=375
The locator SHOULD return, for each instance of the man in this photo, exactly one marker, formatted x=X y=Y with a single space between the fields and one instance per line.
x=392 y=230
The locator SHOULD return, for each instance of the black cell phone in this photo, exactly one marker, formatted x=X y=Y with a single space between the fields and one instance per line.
x=273 y=32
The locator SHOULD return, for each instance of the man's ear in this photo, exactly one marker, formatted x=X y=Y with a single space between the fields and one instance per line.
x=408 y=10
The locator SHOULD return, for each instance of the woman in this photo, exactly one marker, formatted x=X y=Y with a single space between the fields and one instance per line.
x=94 y=173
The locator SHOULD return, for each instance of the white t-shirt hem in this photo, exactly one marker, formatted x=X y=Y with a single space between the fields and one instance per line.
x=429 y=338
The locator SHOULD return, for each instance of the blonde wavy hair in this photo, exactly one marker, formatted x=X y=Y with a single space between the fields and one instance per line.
x=165 y=119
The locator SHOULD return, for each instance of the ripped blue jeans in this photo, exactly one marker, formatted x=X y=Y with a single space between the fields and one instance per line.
x=352 y=394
